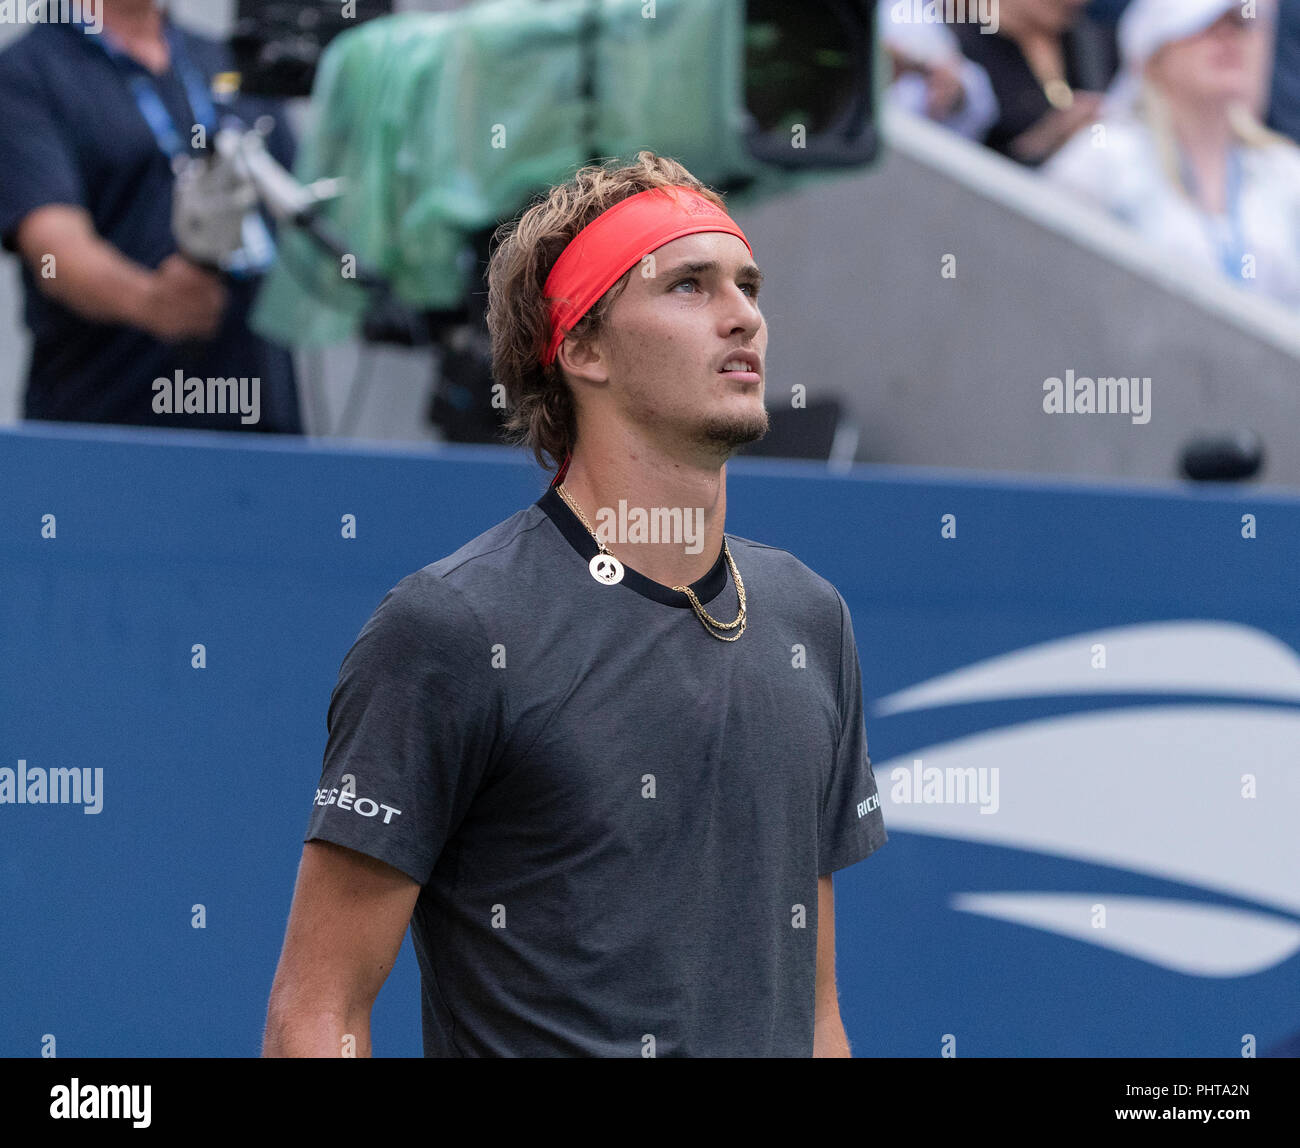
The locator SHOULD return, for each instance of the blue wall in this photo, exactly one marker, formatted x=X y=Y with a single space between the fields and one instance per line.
x=167 y=540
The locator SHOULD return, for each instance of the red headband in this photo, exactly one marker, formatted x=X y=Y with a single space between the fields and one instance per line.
x=618 y=239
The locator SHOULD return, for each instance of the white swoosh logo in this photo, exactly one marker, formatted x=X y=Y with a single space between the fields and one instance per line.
x=1186 y=936
x=1187 y=657
x=1157 y=790
x=1152 y=789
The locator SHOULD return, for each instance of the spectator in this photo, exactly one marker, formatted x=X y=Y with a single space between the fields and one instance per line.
x=1048 y=65
x=89 y=127
x=931 y=77
x=1180 y=154
x=1280 y=84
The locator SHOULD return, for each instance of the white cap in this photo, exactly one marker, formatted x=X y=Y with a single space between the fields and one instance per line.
x=1148 y=25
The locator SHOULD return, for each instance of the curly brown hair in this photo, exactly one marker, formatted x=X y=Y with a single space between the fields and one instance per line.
x=541 y=411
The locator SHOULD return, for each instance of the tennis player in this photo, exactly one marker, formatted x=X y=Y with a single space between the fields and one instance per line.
x=604 y=758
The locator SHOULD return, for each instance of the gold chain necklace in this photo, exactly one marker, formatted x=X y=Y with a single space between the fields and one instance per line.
x=706 y=620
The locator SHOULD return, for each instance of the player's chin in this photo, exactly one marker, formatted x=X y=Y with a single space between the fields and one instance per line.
x=739 y=385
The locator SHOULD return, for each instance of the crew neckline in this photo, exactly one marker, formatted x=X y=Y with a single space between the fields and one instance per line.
x=579 y=537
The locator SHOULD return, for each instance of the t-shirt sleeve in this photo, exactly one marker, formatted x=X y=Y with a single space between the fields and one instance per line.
x=412 y=720
x=36 y=155
x=852 y=825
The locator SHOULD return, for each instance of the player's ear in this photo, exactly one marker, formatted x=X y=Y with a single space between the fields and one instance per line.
x=583 y=358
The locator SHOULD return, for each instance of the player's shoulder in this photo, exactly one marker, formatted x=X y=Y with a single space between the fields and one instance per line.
x=785 y=574
x=448 y=597
x=496 y=546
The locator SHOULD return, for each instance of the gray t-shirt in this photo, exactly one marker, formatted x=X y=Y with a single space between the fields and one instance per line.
x=617 y=820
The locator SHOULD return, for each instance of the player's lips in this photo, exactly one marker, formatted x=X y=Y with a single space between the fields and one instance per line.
x=741 y=365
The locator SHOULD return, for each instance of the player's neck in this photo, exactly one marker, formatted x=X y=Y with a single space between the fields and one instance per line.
x=691 y=502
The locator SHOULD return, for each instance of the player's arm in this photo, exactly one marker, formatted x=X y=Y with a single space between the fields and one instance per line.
x=346 y=924
x=829 y=1037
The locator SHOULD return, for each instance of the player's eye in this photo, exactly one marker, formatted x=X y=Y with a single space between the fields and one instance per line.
x=753 y=286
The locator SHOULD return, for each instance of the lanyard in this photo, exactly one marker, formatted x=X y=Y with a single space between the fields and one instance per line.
x=146 y=94
x=259 y=248
x=1227 y=238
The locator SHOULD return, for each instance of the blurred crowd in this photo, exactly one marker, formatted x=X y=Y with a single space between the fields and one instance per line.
x=1179 y=118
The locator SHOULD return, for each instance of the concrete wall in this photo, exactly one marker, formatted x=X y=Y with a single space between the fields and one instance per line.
x=950 y=372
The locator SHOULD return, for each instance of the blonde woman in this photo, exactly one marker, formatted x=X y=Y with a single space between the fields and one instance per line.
x=1180 y=153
